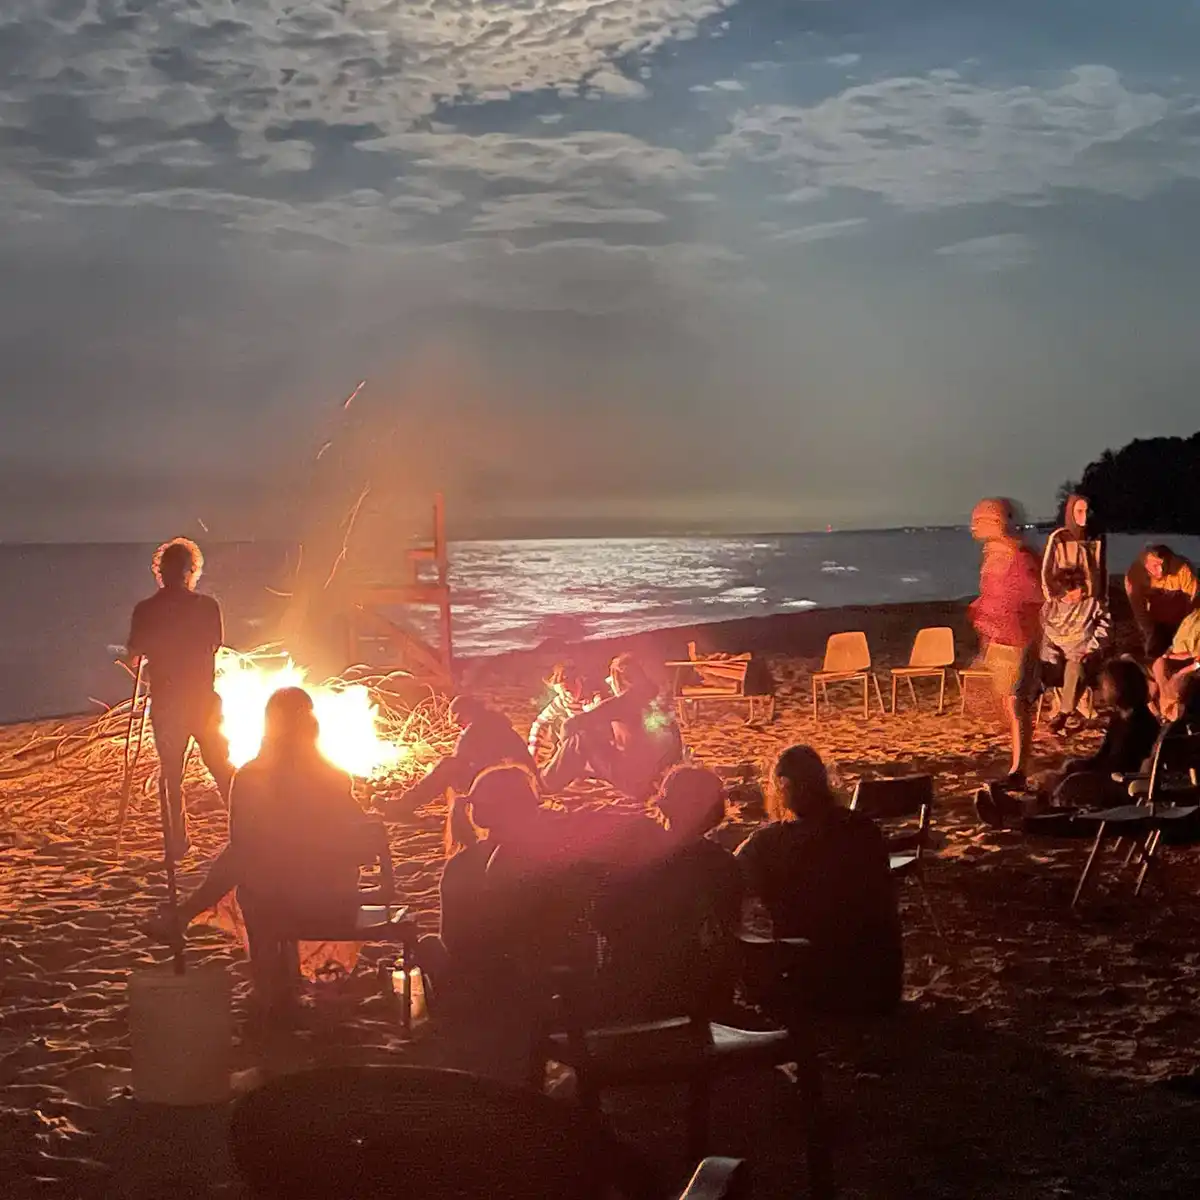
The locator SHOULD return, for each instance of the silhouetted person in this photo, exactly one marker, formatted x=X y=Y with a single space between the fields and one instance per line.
x=487 y=740
x=1075 y=618
x=669 y=925
x=628 y=740
x=179 y=631
x=1007 y=617
x=823 y=874
x=1089 y=782
x=499 y=915
x=297 y=838
x=1162 y=590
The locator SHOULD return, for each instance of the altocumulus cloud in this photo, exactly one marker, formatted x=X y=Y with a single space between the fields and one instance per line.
x=250 y=198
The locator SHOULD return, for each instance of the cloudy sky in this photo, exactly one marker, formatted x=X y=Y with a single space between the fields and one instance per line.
x=605 y=265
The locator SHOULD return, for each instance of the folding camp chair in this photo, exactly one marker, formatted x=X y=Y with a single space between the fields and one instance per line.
x=902 y=799
x=692 y=1050
x=847 y=660
x=1158 y=816
x=932 y=656
x=721 y=678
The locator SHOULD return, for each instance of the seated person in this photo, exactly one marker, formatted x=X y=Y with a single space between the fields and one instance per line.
x=487 y=740
x=1162 y=590
x=297 y=838
x=669 y=925
x=1178 y=664
x=823 y=874
x=1128 y=742
x=496 y=909
x=628 y=740
x=571 y=696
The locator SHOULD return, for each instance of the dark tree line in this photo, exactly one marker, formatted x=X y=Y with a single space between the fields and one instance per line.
x=1150 y=485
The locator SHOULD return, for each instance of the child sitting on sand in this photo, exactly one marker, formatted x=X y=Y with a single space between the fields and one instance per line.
x=571 y=696
x=297 y=838
x=823 y=873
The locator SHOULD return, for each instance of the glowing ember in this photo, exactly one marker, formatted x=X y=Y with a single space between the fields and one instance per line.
x=350 y=726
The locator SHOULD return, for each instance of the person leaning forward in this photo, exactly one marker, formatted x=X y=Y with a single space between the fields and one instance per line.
x=178 y=631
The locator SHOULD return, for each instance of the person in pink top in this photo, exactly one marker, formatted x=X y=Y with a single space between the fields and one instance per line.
x=1007 y=617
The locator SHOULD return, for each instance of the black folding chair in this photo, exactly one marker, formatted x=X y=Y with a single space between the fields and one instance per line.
x=894 y=804
x=1166 y=808
x=692 y=1050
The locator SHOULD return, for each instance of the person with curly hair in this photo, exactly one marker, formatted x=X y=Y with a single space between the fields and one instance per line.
x=178 y=631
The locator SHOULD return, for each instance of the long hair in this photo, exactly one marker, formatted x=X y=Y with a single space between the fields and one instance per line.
x=504 y=790
x=460 y=833
x=178 y=561
x=799 y=785
x=290 y=728
x=1130 y=687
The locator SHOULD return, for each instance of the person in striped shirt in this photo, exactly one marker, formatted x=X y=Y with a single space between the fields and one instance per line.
x=571 y=697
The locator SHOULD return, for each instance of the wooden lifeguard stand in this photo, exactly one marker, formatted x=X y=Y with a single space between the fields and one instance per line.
x=368 y=621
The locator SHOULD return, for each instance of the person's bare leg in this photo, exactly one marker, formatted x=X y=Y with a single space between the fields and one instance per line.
x=1020 y=721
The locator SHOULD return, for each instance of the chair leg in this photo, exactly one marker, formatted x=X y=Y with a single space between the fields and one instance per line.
x=962 y=695
x=697 y=1120
x=1152 y=843
x=879 y=693
x=942 y=694
x=912 y=691
x=1091 y=862
x=814 y=687
x=895 y=681
x=866 y=699
x=937 y=925
x=817 y=1153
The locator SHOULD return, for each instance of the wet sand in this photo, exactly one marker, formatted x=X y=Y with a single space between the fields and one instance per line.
x=1040 y=1053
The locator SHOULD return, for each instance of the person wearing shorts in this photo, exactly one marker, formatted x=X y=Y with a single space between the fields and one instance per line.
x=1007 y=617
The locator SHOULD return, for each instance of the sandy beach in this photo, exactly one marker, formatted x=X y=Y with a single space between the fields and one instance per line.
x=1039 y=1053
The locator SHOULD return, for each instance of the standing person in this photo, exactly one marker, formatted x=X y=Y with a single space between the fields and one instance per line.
x=1162 y=590
x=1075 y=617
x=1007 y=617
x=179 y=631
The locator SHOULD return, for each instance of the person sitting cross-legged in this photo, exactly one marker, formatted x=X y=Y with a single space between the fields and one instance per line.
x=487 y=740
x=297 y=839
x=629 y=740
x=822 y=871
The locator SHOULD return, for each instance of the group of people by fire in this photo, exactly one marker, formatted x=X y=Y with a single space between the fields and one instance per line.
x=519 y=873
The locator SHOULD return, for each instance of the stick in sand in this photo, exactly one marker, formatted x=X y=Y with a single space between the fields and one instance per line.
x=131 y=762
x=172 y=889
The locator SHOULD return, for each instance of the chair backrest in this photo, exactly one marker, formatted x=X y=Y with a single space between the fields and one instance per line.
x=933 y=647
x=847 y=652
x=994 y=655
x=901 y=798
x=1177 y=753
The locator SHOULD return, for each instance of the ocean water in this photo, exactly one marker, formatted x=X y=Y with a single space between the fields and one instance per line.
x=64 y=606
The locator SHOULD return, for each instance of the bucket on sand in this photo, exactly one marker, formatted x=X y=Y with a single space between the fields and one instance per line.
x=181 y=1035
